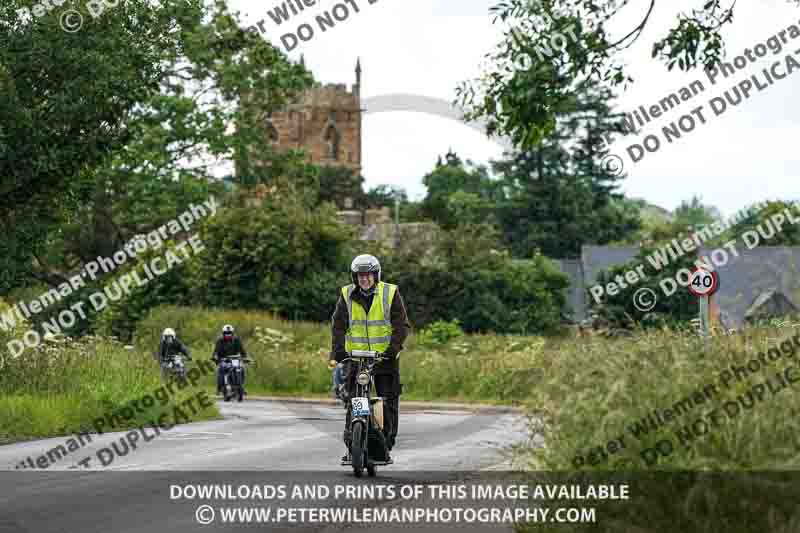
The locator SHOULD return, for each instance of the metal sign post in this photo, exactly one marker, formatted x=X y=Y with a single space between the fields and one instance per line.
x=703 y=284
x=705 y=322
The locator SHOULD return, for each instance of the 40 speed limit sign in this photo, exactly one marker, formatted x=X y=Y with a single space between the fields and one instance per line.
x=703 y=282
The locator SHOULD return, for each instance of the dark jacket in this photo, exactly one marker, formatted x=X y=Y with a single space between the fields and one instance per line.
x=400 y=329
x=224 y=349
x=165 y=351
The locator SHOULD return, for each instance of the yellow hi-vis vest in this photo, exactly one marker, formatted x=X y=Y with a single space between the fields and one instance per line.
x=371 y=331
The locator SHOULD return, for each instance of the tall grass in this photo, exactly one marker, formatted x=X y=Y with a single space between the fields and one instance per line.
x=62 y=386
x=291 y=356
x=592 y=390
x=734 y=476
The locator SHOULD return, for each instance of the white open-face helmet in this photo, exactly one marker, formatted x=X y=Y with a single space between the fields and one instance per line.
x=227 y=329
x=168 y=332
x=365 y=263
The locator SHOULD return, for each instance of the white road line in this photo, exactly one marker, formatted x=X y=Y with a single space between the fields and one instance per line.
x=199 y=435
x=216 y=454
x=124 y=467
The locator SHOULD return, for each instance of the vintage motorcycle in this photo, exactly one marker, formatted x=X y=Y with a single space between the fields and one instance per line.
x=176 y=368
x=233 y=377
x=368 y=444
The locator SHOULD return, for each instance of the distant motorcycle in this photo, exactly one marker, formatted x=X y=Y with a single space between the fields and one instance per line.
x=233 y=377
x=368 y=445
x=176 y=368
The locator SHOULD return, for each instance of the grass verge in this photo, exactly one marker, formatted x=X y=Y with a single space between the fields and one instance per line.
x=291 y=357
x=64 y=387
x=710 y=437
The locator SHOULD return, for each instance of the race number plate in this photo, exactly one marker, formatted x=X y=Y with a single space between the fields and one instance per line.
x=360 y=407
x=235 y=362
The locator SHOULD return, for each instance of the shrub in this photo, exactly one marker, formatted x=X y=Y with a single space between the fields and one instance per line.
x=518 y=298
x=121 y=317
x=469 y=277
x=619 y=310
x=439 y=332
x=280 y=258
x=275 y=257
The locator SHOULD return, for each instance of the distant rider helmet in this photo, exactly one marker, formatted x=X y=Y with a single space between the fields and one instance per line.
x=168 y=335
x=227 y=332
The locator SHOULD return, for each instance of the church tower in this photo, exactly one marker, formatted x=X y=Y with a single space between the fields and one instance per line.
x=325 y=122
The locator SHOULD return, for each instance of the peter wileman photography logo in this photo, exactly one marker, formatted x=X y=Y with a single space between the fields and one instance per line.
x=70 y=20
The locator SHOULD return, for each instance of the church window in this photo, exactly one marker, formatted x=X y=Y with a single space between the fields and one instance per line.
x=332 y=140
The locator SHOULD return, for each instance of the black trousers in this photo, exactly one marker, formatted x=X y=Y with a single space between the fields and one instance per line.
x=386 y=386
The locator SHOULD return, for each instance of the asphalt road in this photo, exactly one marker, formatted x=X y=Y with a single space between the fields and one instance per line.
x=258 y=443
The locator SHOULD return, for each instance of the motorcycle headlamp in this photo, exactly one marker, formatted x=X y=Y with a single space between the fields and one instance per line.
x=363 y=379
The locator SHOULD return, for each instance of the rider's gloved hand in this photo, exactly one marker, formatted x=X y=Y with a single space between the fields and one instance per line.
x=332 y=363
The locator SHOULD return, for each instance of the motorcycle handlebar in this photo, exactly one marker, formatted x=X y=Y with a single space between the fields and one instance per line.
x=374 y=360
x=217 y=360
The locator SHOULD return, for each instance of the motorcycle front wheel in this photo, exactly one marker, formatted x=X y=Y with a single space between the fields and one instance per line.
x=358 y=449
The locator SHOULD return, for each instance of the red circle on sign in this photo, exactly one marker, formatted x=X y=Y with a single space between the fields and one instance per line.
x=714 y=282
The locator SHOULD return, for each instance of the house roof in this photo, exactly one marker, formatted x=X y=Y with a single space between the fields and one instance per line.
x=575 y=292
x=746 y=281
x=597 y=258
x=752 y=275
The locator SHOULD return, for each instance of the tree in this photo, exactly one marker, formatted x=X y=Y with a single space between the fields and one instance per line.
x=386 y=196
x=694 y=213
x=280 y=256
x=787 y=235
x=660 y=226
x=473 y=279
x=517 y=95
x=456 y=176
x=172 y=133
x=558 y=198
x=65 y=101
x=624 y=308
x=338 y=183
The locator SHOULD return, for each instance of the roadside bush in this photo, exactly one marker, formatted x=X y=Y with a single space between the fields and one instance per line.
x=517 y=298
x=439 y=332
x=619 y=310
x=9 y=333
x=120 y=318
x=470 y=277
x=281 y=258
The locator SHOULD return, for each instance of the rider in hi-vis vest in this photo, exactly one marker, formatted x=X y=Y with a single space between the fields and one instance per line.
x=373 y=330
x=370 y=315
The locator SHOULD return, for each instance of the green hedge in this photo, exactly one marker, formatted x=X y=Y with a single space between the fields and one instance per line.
x=516 y=299
x=619 y=310
x=289 y=261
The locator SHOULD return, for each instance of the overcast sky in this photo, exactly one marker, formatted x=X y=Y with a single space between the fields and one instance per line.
x=428 y=47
